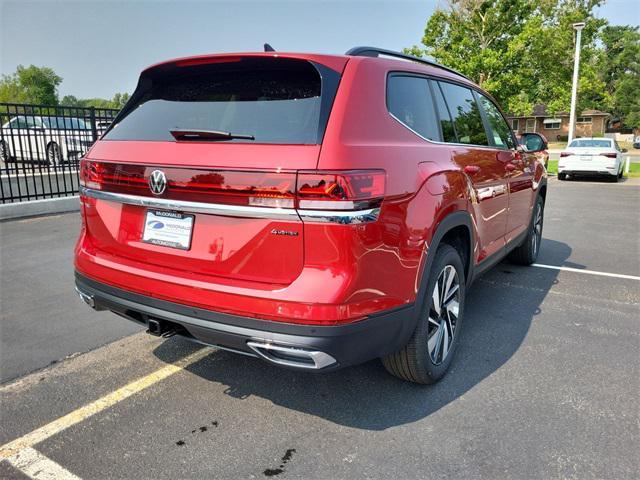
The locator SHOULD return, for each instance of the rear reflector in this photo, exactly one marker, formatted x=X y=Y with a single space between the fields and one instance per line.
x=310 y=190
x=565 y=154
x=610 y=155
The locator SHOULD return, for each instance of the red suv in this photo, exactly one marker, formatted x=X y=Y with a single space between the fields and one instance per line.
x=316 y=211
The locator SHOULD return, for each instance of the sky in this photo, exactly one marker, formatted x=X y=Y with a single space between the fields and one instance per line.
x=100 y=47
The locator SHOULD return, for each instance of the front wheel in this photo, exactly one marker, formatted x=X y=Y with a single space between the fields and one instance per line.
x=527 y=252
x=428 y=354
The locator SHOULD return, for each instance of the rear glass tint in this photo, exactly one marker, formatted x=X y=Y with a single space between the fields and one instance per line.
x=591 y=143
x=409 y=101
x=274 y=100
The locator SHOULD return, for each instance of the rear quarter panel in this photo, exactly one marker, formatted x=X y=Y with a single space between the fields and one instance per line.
x=423 y=186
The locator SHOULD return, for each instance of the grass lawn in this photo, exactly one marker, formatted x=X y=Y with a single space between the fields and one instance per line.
x=634 y=169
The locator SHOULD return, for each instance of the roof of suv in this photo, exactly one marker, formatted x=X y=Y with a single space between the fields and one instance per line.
x=335 y=62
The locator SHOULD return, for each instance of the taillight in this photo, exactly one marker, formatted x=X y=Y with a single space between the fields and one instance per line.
x=308 y=190
x=609 y=155
x=263 y=189
x=565 y=154
x=340 y=190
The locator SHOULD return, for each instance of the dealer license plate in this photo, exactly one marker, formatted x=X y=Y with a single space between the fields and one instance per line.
x=168 y=229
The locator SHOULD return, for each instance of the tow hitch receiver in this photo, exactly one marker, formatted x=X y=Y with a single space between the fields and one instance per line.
x=155 y=327
x=158 y=328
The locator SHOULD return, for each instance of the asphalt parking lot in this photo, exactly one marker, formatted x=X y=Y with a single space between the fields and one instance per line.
x=545 y=383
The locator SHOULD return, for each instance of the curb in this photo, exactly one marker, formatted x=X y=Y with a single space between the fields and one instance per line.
x=39 y=207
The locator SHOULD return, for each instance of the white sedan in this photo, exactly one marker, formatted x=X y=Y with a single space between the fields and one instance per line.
x=592 y=156
x=44 y=138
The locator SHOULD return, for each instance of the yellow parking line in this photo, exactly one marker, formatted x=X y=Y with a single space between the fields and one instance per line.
x=35 y=465
x=40 y=434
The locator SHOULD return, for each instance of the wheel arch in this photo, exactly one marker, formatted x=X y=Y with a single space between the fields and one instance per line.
x=456 y=229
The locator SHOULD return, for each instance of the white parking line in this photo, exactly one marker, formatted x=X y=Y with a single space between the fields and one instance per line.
x=40 y=434
x=35 y=465
x=589 y=272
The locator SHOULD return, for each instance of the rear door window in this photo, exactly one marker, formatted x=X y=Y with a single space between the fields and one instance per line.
x=499 y=127
x=275 y=100
x=446 y=122
x=409 y=101
x=466 y=115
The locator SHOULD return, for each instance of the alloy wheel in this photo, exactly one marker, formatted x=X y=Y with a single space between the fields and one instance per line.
x=536 y=236
x=443 y=314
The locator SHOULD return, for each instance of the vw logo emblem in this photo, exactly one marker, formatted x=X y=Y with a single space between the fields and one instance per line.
x=157 y=182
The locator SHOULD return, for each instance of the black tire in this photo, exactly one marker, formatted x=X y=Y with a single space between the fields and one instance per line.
x=562 y=176
x=54 y=154
x=415 y=362
x=614 y=179
x=4 y=152
x=527 y=252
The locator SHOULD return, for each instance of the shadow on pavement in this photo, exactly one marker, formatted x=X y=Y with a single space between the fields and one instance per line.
x=500 y=309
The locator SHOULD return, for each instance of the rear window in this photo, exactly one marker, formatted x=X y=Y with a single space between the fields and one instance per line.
x=590 y=143
x=65 y=123
x=274 y=100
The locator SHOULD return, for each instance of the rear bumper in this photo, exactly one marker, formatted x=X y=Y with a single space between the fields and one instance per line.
x=589 y=173
x=286 y=344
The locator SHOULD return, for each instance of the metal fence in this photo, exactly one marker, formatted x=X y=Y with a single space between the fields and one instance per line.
x=40 y=147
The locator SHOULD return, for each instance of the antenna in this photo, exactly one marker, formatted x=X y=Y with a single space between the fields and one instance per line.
x=268 y=48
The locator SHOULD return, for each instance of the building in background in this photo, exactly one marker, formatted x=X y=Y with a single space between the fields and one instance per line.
x=590 y=123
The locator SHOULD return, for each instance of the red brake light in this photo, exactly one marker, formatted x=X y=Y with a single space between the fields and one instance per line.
x=348 y=190
x=189 y=62
x=564 y=154
x=610 y=155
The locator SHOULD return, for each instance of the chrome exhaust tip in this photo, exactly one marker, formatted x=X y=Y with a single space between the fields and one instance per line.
x=86 y=298
x=292 y=356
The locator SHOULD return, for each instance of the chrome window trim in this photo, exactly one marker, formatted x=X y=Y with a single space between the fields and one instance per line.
x=323 y=216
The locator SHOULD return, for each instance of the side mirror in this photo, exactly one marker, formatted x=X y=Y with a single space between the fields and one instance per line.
x=624 y=150
x=533 y=142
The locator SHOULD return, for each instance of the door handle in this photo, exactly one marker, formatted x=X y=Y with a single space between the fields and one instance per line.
x=471 y=169
x=510 y=167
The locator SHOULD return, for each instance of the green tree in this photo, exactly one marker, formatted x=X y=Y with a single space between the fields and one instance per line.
x=520 y=51
x=621 y=72
x=71 y=101
x=32 y=84
x=119 y=99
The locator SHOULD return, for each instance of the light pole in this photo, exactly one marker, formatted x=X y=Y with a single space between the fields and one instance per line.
x=574 y=89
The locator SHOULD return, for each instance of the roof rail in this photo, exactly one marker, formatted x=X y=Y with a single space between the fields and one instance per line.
x=376 y=52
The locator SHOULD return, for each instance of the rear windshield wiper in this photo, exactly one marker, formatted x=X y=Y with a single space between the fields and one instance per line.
x=190 y=134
